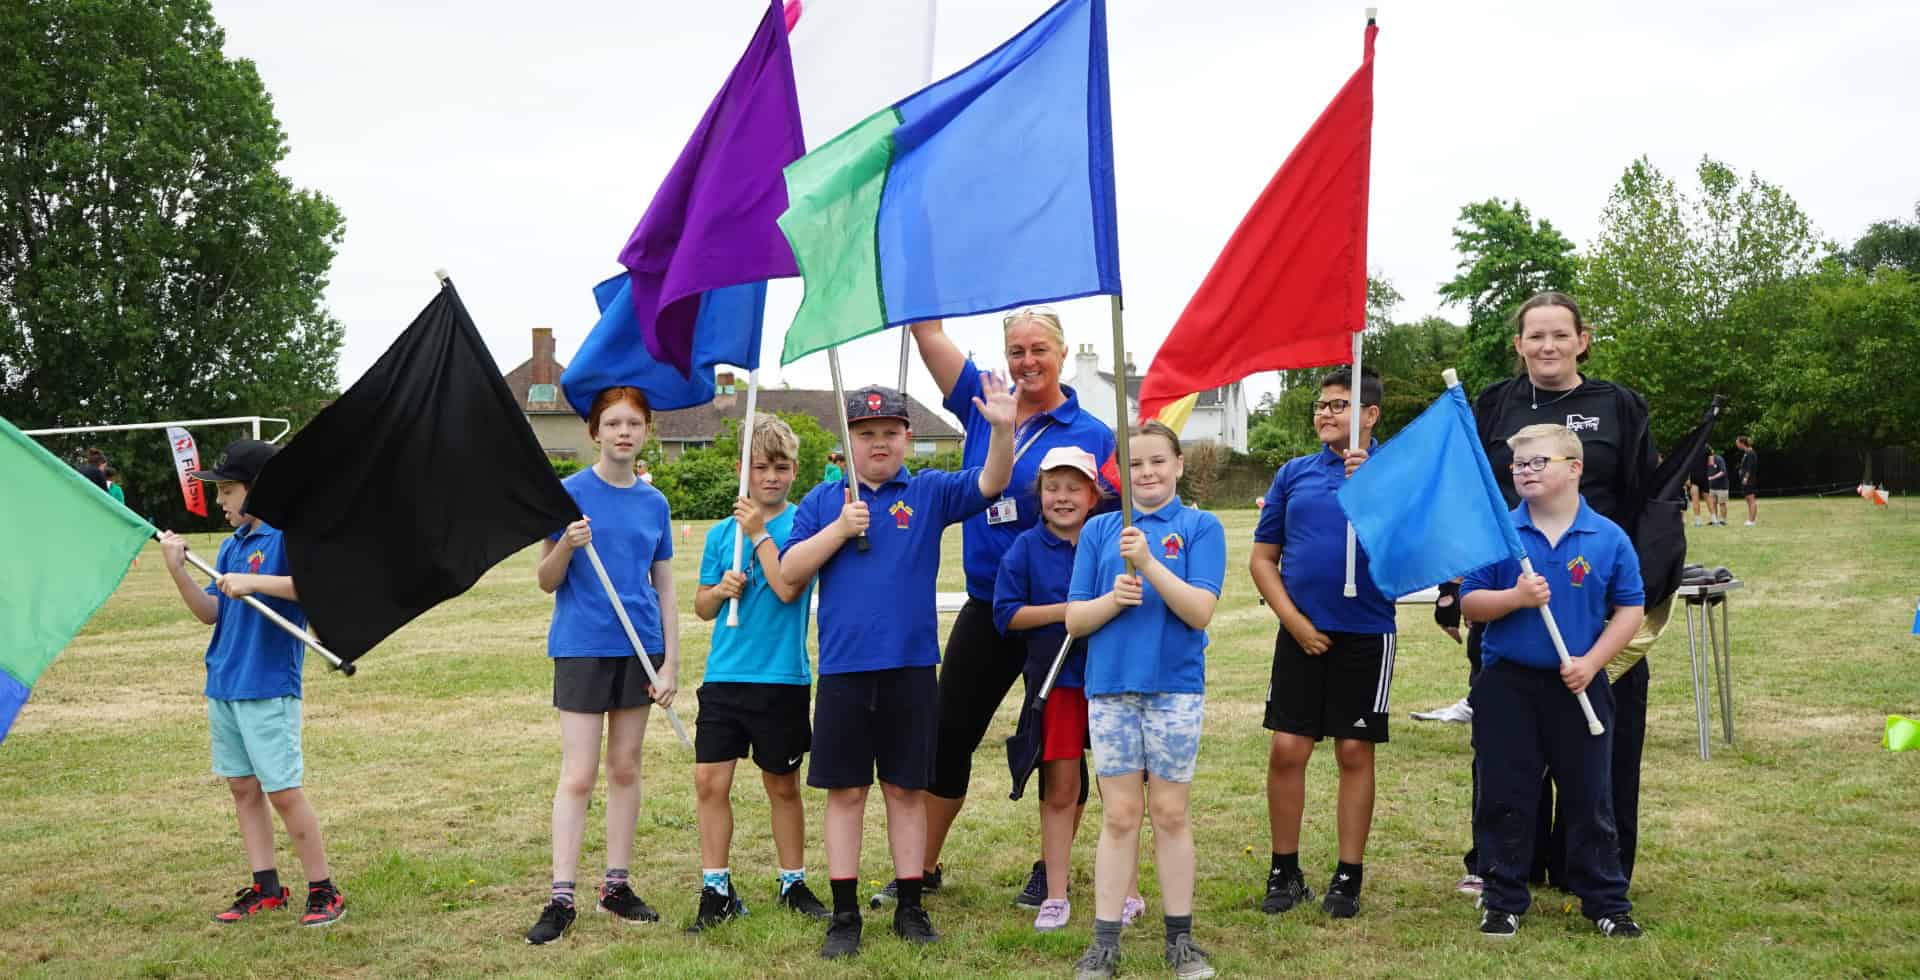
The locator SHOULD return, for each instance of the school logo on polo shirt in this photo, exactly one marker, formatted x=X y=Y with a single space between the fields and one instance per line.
x=254 y=560
x=1577 y=570
x=901 y=513
x=1171 y=545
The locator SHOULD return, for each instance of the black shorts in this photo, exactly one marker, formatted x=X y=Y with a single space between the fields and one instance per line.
x=872 y=720
x=597 y=685
x=1341 y=693
x=768 y=719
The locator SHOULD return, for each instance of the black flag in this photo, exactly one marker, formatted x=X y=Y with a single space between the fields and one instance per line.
x=405 y=490
x=1660 y=536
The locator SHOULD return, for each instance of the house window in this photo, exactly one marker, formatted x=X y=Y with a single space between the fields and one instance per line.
x=542 y=394
x=925 y=448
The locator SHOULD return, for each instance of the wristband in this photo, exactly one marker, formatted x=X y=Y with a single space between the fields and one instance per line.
x=760 y=539
x=1446 y=608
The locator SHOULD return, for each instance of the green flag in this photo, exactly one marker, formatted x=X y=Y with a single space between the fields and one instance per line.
x=68 y=545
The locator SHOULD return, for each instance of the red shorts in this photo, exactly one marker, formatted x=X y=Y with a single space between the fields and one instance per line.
x=1064 y=724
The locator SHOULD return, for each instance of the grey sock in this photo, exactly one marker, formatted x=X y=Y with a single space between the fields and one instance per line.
x=1106 y=933
x=1178 y=925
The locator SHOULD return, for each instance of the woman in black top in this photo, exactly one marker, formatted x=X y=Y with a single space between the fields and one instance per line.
x=1611 y=420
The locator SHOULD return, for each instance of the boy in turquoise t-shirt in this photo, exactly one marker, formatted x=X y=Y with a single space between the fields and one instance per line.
x=754 y=696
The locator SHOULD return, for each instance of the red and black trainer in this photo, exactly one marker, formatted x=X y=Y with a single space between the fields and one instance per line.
x=250 y=900
x=325 y=906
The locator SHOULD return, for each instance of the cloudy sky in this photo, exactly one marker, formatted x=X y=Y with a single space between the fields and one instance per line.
x=517 y=144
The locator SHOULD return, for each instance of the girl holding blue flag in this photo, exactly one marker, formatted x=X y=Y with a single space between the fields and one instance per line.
x=599 y=686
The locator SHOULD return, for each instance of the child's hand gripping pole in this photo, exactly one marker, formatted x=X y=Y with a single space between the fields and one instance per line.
x=278 y=620
x=1560 y=647
x=634 y=638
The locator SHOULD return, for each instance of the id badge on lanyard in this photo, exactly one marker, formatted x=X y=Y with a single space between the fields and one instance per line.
x=1006 y=510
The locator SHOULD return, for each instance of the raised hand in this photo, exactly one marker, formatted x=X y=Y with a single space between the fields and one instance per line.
x=997 y=406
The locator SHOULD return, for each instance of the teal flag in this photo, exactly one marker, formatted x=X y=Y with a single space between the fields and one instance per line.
x=68 y=545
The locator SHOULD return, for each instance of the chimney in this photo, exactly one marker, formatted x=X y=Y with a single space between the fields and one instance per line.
x=1086 y=366
x=543 y=371
x=724 y=393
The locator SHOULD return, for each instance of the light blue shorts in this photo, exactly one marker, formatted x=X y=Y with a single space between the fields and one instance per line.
x=257 y=738
x=1159 y=733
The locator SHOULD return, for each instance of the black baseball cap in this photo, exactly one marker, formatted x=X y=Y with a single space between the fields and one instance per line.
x=240 y=463
x=876 y=402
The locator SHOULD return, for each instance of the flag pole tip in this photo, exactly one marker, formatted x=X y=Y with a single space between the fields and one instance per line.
x=441 y=274
x=1351 y=591
x=1372 y=14
x=1451 y=377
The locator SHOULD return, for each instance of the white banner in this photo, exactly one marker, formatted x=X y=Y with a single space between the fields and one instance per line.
x=186 y=459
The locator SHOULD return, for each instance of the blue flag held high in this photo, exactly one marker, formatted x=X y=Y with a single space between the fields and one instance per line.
x=727 y=331
x=1425 y=506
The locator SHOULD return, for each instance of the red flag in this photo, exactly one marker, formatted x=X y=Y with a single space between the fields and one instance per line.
x=1290 y=288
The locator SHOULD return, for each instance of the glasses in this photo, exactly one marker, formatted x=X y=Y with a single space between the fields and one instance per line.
x=1030 y=313
x=1332 y=406
x=1535 y=463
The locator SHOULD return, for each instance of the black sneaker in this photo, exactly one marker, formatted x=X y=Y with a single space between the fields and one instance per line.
x=929 y=883
x=1619 y=926
x=1284 y=892
x=554 y=920
x=800 y=898
x=325 y=906
x=910 y=923
x=250 y=900
x=716 y=907
x=621 y=901
x=1343 y=900
x=1498 y=925
x=1097 y=963
x=1035 y=891
x=843 y=936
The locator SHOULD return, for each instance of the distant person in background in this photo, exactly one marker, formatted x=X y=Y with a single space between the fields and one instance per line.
x=834 y=473
x=1716 y=488
x=93 y=466
x=1749 y=477
x=112 y=476
x=640 y=470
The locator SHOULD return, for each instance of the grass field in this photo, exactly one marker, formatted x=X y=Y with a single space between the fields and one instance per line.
x=1794 y=853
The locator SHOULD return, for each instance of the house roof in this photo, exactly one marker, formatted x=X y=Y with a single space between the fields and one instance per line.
x=702 y=423
x=521 y=378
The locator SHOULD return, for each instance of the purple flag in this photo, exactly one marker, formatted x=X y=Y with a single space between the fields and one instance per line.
x=712 y=223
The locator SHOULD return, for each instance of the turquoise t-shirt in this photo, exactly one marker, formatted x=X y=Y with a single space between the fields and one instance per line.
x=770 y=644
x=632 y=529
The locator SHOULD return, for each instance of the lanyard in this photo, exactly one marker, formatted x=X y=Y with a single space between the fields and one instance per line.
x=1022 y=451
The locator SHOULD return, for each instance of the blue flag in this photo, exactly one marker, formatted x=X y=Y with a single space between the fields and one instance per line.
x=1916 y=619
x=727 y=331
x=1425 y=506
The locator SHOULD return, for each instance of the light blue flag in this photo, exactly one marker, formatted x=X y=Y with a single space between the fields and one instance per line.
x=1916 y=619
x=1425 y=505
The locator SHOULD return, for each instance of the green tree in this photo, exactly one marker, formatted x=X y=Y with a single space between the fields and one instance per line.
x=1844 y=374
x=1505 y=257
x=1409 y=358
x=701 y=484
x=154 y=263
x=1678 y=288
x=1888 y=245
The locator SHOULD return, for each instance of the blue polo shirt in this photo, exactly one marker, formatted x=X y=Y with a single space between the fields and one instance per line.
x=632 y=529
x=1302 y=516
x=1591 y=572
x=1147 y=649
x=982 y=544
x=1035 y=572
x=877 y=606
x=249 y=657
x=770 y=644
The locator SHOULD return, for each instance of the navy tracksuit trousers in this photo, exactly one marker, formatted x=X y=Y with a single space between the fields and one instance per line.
x=1525 y=721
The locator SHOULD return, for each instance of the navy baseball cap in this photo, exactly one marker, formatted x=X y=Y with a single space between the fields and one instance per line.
x=240 y=463
x=876 y=402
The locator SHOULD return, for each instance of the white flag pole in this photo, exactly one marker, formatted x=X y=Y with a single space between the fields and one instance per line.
x=1353 y=442
x=277 y=619
x=746 y=471
x=1553 y=628
x=846 y=433
x=620 y=611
